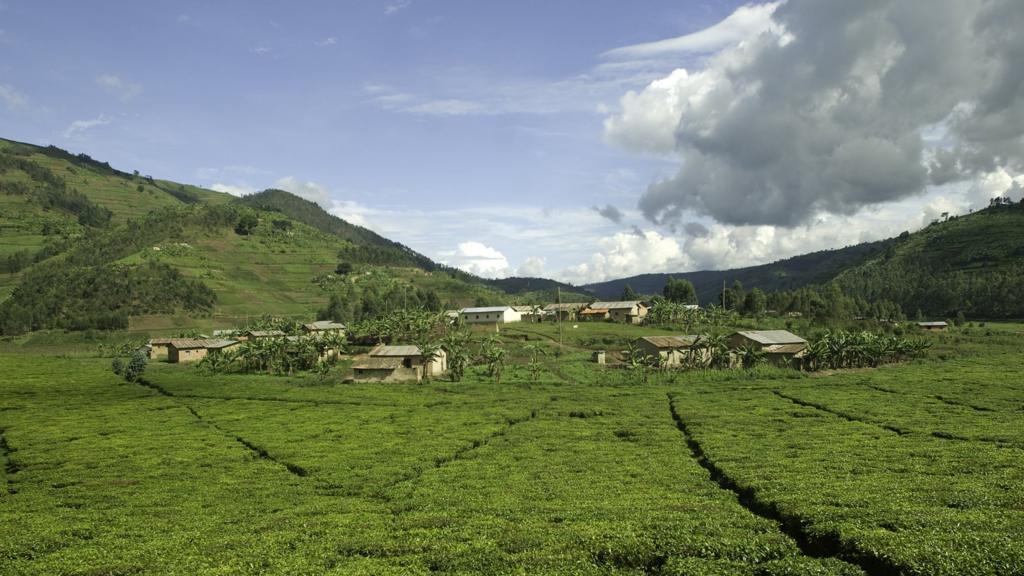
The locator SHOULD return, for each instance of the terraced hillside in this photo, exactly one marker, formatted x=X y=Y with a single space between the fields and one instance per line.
x=69 y=221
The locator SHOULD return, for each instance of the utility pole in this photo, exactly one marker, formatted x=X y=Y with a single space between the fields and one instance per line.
x=559 y=313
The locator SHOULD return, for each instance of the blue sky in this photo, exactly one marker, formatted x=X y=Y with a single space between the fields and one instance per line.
x=483 y=134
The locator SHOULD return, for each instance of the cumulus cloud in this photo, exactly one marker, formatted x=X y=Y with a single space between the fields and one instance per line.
x=233 y=189
x=610 y=212
x=305 y=189
x=823 y=110
x=532 y=267
x=11 y=98
x=327 y=42
x=79 y=126
x=118 y=87
x=627 y=254
x=477 y=258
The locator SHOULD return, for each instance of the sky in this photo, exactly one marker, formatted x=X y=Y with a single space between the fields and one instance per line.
x=580 y=140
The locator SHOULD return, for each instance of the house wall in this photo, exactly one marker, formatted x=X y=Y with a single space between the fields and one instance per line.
x=632 y=315
x=176 y=356
x=158 y=351
x=491 y=317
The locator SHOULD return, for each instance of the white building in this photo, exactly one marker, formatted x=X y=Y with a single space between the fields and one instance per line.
x=490 y=315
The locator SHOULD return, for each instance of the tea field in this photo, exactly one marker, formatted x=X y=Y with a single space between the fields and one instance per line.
x=911 y=469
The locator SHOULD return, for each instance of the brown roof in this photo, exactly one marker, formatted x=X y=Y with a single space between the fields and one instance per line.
x=159 y=341
x=565 y=307
x=377 y=363
x=670 y=341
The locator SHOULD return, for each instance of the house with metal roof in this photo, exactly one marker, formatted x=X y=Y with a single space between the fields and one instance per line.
x=671 y=350
x=565 y=311
x=933 y=326
x=779 y=346
x=261 y=334
x=490 y=315
x=158 y=347
x=629 y=311
x=186 y=350
x=399 y=363
x=322 y=327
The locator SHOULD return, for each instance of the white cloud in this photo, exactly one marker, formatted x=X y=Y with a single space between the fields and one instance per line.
x=80 y=126
x=260 y=50
x=449 y=107
x=116 y=86
x=477 y=258
x=233 y=189
x=627 y=254
x=11 y=98
x=311 y=191
x=745 y=22
x=352 y=212
x=395 y=7
x=531 y=267
x=327 y=42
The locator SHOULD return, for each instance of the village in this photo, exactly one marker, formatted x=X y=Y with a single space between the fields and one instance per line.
x=325 y=342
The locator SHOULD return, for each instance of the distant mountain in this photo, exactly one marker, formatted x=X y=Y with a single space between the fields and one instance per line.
x=788 y=274
x=541 y=289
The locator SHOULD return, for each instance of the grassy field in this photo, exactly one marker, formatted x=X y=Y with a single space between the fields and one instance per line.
x=915 y=468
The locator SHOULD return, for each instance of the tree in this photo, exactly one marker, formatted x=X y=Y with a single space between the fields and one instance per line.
x=628 y=294
x=136 y=367
x=455 y=345
x=680 y=291
x=494 y=355
x=536 y=351
x=343 y=269
x=755 y=302
x=246 y=224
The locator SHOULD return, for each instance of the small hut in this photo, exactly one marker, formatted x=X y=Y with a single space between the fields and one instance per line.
x=186 y=350
x=399 y=363
x=781 y=347
x=669 y=350
x=933 y=326
x=158 y=347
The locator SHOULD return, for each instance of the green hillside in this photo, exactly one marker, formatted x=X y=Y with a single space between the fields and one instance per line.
x=972 y=264
x=85 y=245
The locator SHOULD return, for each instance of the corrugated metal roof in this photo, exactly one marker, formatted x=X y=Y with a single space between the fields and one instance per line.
x=616 y=305
x=526 y=309
x=194 y=343
x=564 y=307
x=595 y=311
x=393 y=351
x=324 y=325
x=768 y=337
x=265 y=333
x=484 y=309
x=936 y=324
x=159 y=341
x=785 y=349
x=670 y=341
x=377 y=363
